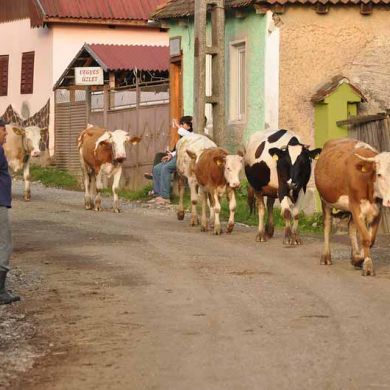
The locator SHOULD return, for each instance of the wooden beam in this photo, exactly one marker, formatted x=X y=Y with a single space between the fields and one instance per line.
x=361 y=119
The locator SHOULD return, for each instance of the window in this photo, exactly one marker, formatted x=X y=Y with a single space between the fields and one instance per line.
x=27 y=79
x=237 y=106
x=4 y=75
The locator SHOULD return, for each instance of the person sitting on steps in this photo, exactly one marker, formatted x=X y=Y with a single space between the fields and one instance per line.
x=162 y=171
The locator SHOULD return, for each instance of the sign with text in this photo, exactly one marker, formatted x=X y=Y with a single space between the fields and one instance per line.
x=89 y=76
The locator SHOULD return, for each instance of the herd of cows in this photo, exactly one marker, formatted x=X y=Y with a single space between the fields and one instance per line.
x=350 y=176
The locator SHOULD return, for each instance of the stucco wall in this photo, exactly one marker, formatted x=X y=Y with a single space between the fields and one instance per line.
x=252 y=29
x=314 y=48
x=16 y=38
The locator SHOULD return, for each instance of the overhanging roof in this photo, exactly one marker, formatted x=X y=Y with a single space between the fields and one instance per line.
x=114 y=58
x=184 y=8
x=117 y=12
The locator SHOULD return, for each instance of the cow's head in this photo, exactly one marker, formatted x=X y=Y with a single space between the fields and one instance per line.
x=294 y=164
x=382 y=175
x=117 y=140
x=31 y=136
x=232 y=165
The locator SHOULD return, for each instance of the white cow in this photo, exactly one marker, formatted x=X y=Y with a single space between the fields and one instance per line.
x=21 y=145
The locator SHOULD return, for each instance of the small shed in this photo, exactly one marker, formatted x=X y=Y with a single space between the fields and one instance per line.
x=116 y=87
x=334 y=101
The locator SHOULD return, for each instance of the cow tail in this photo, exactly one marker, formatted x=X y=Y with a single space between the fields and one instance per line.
x=251 y=200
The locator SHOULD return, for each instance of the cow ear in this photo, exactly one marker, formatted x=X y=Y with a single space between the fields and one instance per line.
x=19 y=131
x=276 y=153
x=240 y=153
x=365 y=167
x=315 y=153
x=219 y=160
x=191 y=154
x=105 y=138
x=133 y=140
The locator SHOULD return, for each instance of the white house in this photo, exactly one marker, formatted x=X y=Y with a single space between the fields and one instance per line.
x=39 y=38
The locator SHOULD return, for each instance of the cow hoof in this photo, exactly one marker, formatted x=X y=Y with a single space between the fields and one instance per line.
x=117 y=211
x=204 y=229
x=217 y=230
x=97 y=209
x=229 y=227
x=261 y=237
x=88 y=207
x=180 y=215
x=326 y=260
x=368 y=267
x=357 y=262
x=194 y=221
x=269 y=230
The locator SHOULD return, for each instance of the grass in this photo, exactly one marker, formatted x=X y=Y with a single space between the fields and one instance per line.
x=53 y=177
x=307 y=223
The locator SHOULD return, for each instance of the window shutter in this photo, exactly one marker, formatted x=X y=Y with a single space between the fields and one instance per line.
x=4 y=75
x=27 y=79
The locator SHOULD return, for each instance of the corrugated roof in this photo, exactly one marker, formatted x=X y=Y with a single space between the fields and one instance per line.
x=99 y=9
x=128 y=57
x=179 y=8
x=182 y=8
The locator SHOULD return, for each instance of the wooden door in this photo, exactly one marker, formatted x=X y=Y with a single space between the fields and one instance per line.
x=175 y=98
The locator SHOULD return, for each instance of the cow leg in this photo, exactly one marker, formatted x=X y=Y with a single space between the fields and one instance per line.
x=356 y=254
x=194 y=200
x=96 y=187
x=217 y=210
x=327 y=217
x=373 y=229
x=181 y=185
x=231 y=195
x=286 y=214
x=211 y=205
x=87 y=194
x=368 y=265
x=26 y=178
x=296 y=207
x=115 y=188
x=204 y=222
x=269 y=227
x=261 y=236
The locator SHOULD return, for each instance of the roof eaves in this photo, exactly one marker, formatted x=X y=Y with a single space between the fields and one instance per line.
x=88 y=48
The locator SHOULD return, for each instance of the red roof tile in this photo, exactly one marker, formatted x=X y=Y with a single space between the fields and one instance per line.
x=99 y=9
x=128 y=57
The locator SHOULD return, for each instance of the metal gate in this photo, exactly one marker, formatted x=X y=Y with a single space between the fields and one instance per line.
x=374 y=130
x=70 y=120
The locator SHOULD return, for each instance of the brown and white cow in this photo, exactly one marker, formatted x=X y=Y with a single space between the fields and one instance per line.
x=196 y=143
x=353 y=177
x=217 y=173
x=102 y=152
x=21 y=145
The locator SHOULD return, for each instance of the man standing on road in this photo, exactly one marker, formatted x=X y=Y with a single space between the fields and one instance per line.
x=5 y=228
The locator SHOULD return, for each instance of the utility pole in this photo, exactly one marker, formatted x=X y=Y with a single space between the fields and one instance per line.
x=217 y=50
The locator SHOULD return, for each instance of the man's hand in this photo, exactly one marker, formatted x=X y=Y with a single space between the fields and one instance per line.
x=167 y=158
x=175 y=123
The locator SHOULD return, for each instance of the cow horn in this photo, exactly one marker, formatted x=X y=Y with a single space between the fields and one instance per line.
x=369 y=159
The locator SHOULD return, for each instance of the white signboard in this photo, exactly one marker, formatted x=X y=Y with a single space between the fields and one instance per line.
x=89 y=76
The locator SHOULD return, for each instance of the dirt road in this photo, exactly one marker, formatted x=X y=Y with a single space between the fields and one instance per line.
x=142 y=301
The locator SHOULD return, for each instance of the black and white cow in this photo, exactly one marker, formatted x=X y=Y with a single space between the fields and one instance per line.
x=278 y=165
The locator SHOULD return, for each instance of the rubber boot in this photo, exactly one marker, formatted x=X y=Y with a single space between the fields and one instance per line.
x=5 y=296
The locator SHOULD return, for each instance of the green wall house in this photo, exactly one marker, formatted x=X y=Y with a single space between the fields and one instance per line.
x=248 y=42
x=333 y=102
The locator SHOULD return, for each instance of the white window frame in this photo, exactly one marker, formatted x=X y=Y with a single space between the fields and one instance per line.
x=237 y=81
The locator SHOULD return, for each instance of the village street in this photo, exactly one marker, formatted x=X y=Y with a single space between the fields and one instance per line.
x=140 y=300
